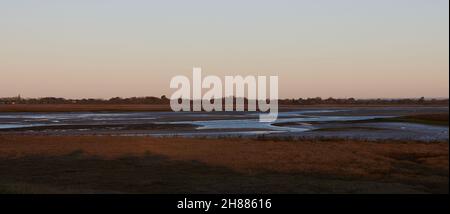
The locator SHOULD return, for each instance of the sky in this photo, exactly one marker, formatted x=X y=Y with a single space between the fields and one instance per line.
x=325 y=48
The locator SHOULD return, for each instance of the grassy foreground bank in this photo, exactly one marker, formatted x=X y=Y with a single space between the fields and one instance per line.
x=95 y=164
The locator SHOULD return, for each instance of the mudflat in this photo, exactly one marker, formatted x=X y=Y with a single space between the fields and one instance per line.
x=115 y=164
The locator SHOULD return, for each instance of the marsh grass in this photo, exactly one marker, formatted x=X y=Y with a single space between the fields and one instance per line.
x=427 y=119
x=231 y=165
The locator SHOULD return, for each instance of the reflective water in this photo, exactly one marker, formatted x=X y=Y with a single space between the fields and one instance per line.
x=204 y=121
x=297 y=123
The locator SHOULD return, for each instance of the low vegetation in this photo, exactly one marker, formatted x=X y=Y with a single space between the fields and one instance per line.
x=87 y=164
x=428 y=119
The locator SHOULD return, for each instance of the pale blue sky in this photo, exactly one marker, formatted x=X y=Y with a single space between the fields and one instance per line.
x=339 y=48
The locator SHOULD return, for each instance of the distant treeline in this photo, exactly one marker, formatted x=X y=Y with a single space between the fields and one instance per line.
x=165 y=100
x=56 y=100
x=353 y=101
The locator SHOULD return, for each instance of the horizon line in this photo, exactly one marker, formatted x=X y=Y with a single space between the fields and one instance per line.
x=160 y=97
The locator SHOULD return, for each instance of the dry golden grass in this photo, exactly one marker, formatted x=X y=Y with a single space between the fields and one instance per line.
x=88 y=164
x=343 y=158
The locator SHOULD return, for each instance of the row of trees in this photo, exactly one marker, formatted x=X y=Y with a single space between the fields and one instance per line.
x=165 y=100
x=353 y=101
x=56 y=100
